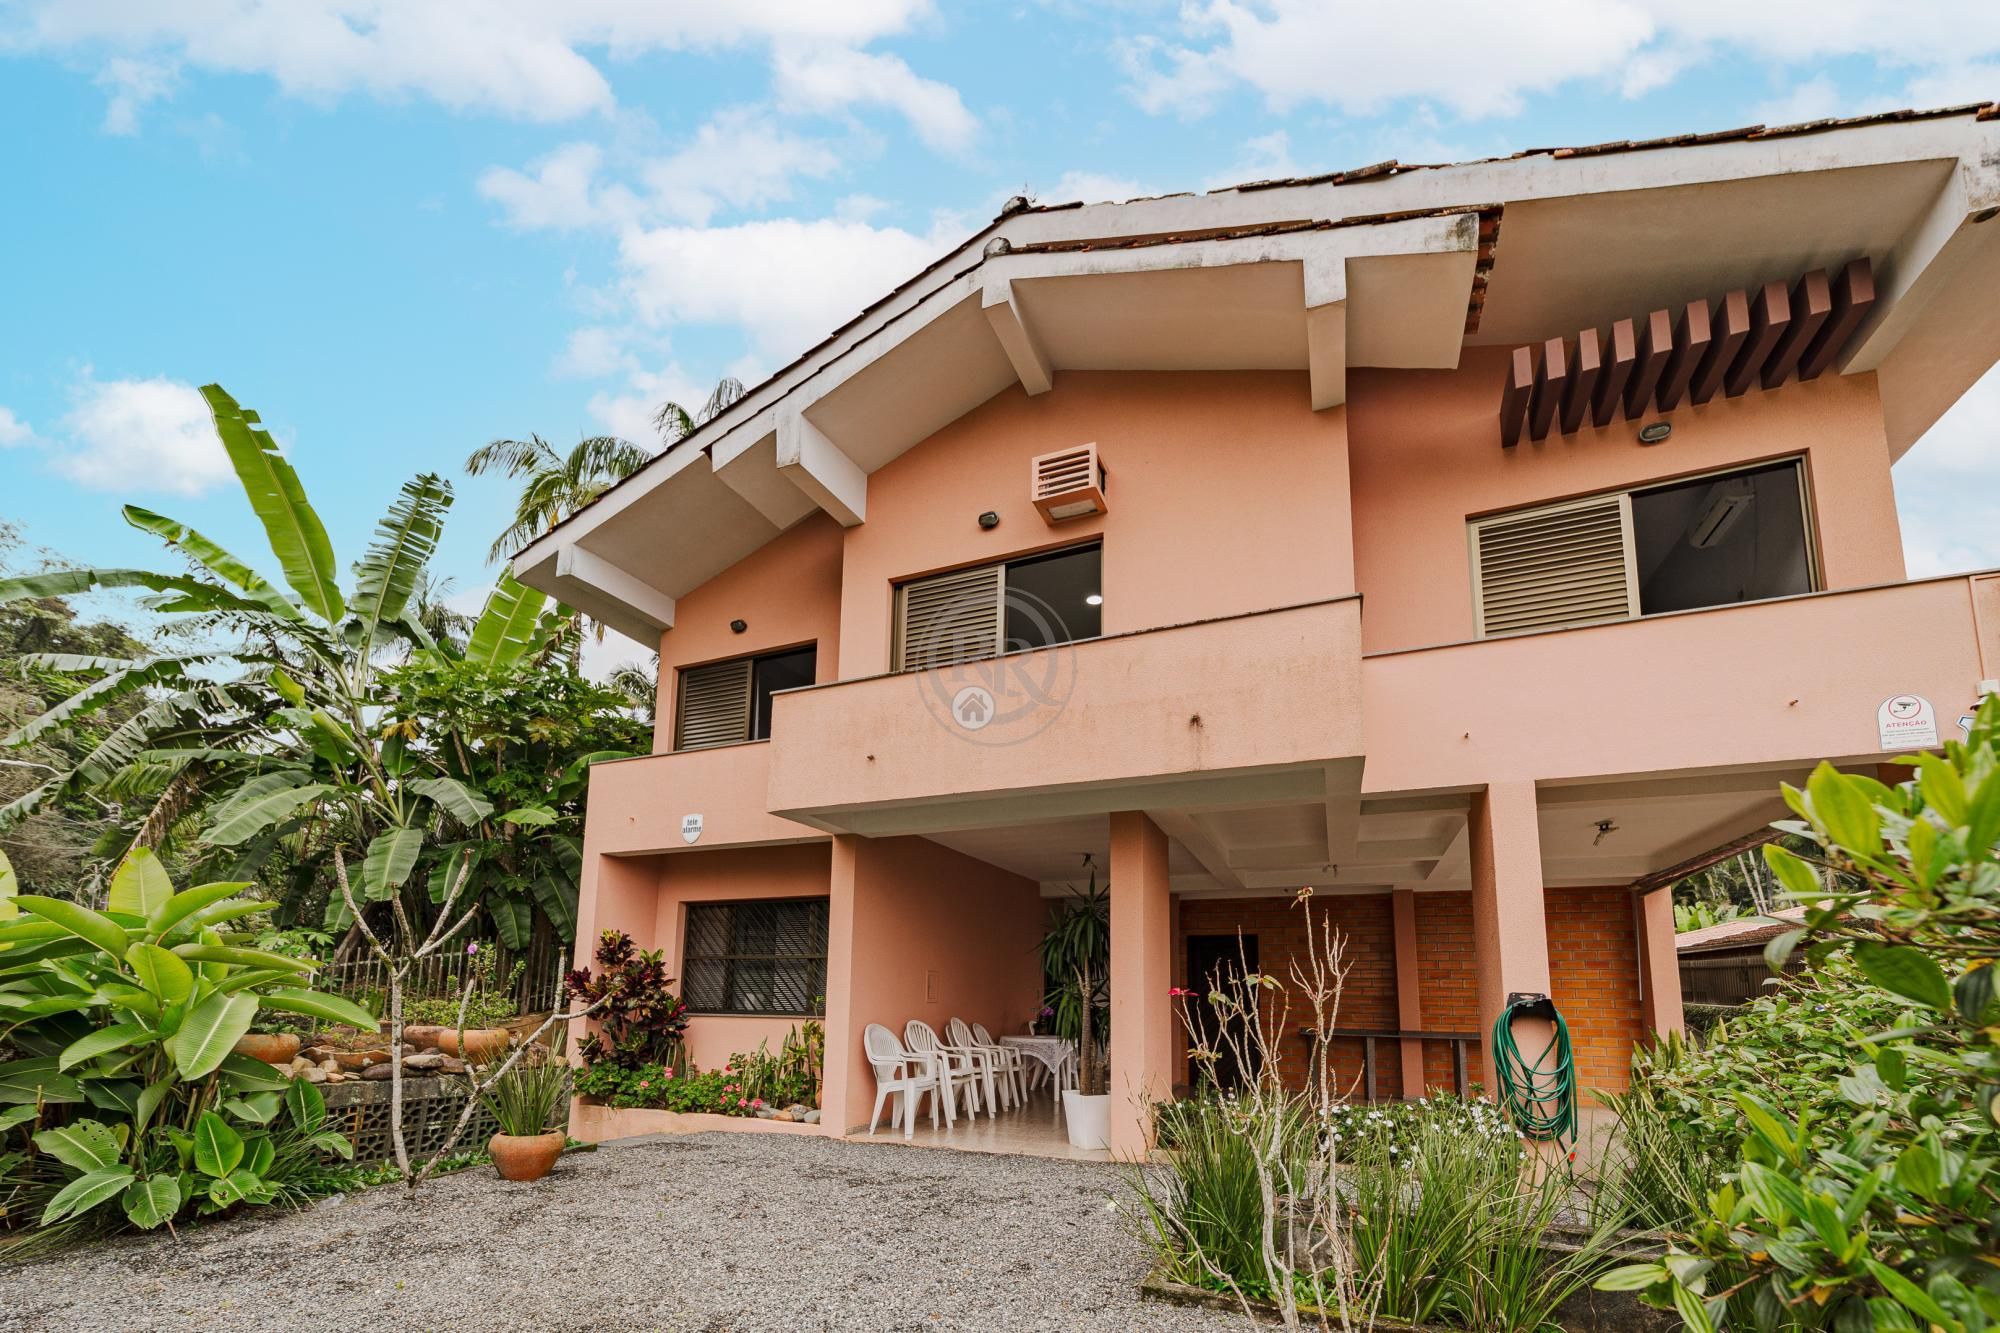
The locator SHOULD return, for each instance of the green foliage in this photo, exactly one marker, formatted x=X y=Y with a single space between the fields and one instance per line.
x=1446 y=1221
x=664 y=1088
x=791 y=1077
x=640 y=1019
x=1860 y=1194
x=271 y=744
x=1076 y=964
x=127 y=1088
x=532 y=1097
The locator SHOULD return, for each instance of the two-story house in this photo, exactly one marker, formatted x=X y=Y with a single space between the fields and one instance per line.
x=1473 y=544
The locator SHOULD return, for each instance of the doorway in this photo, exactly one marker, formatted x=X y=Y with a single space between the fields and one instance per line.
x=1211 y=961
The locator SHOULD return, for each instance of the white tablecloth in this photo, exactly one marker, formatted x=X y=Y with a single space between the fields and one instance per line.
x=1052 y=1052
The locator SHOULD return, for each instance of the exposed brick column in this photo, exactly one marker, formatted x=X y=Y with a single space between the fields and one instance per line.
x=1659 y=964
x=1509 y=921
x=1409 y=999
x=1142 y=1036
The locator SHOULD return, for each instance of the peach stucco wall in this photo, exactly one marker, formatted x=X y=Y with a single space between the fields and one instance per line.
x=788 y=592
x=1226 y=493
x=636 y=805
x=921 y=931
x=723 y=876
x=1425 y=454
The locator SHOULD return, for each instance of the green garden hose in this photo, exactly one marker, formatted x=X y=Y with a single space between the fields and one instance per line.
x=1540 y=1095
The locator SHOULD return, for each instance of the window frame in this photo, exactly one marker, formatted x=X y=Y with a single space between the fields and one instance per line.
x=751 y=662
x=731 y=960
x=898 y=602
x=1809 y=530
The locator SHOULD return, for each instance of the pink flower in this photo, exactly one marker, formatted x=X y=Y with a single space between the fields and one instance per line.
x=645 y=1083
x=741 y=1102
x=757 y=1101
x=472 y=948
x=668 y=1072
x=1178 y=991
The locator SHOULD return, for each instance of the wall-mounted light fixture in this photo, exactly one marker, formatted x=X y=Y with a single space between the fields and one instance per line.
x=989 y=520
x=1655 y=431
x=738 y=626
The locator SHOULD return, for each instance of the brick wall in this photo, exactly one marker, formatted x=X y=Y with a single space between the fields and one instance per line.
x=1594 y=972
x=1593 y=961
x=1447 y=982
x=1368 y=999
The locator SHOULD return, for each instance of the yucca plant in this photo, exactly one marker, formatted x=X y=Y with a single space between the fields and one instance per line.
x=529 y=1098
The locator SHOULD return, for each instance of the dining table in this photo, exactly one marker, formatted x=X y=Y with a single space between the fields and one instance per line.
x=1051 y=1052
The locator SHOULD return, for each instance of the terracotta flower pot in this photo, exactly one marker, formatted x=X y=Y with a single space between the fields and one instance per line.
x=273 y=1048
x=354 y=1061
x=422 y=1035
x=526 y=1157
x=480 y=1043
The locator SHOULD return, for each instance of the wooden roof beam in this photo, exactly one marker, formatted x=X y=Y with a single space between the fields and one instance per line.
x=1514 y=397
x=1551 y=378
x=1656 y=344
x=1853 y=294
x=1812 y=302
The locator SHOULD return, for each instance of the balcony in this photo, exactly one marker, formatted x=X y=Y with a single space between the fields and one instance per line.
x=1793 y=679
x=1260 y=703
x=643 y=804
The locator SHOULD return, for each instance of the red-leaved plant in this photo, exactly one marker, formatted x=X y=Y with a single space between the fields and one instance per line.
x=641 y=1021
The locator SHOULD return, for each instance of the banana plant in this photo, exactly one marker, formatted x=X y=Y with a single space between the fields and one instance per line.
x=272 y=736
x=135 y=1011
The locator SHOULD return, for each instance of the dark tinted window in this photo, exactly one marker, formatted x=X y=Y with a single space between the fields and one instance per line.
x=1739 y=537
x=1055 y=598
x=780 y=671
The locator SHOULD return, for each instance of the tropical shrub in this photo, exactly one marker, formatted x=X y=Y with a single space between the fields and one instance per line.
x=663 y=1088
x=1873 y=1206
x=272 y=743
x=640 y=1019
x=789 y=1078
x=126 y=1086
x=531 y=1096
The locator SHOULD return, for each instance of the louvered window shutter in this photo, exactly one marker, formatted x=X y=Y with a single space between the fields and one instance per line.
x=949 y=618
x=714 y=706
x=1566 y=564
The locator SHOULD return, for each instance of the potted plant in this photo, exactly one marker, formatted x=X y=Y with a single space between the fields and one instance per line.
x=1076 y=957
x=531 y=1103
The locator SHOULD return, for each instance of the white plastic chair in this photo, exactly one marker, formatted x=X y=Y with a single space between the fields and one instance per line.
x=1009 y=1062
x=987 y=1061
x=910 y=1073
x=954 y=1066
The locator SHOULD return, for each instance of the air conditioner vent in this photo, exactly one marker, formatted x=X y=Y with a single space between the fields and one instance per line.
x=1567 y=564
x=1068 y=483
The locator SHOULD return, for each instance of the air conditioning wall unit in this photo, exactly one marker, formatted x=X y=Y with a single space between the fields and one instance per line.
x=1067 y=484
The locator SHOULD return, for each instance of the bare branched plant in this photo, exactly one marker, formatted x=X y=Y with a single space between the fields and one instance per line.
x=1241 y=1021
x=400 y=955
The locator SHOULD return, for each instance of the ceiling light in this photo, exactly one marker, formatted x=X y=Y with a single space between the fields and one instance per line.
x=1727 y=502
x=1095 y=599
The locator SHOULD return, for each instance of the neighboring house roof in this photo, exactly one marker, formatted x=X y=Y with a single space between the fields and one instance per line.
x=1743 y=933
x=1391 y=265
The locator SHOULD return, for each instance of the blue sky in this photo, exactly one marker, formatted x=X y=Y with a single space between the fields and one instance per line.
x=401 y=230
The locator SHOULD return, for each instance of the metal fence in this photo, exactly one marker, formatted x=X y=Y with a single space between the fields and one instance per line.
x=442 y=975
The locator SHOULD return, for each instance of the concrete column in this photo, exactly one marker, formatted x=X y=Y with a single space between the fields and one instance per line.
x=613 y=893
x=1409 y=998
x=1141 y=975
x=847 y=1084
x=1659 y=964
x=1509 y=925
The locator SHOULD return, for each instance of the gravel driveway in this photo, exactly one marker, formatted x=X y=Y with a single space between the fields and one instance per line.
x=704 y=1232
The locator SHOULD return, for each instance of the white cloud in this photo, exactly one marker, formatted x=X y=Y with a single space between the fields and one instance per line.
x=834 y=78
x=1266 y=157
x=739 y=158
x=520 y=58
x=1480 y=60
x=13 y=430
x=1949 y=511
x=1815 y=99
x=786 y=282
x=136 y=435
x=557 y=191
x=132 y=83
x=594 y=352
x=1094 y=187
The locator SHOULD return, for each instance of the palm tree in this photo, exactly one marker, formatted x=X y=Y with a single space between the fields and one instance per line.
x=556 y=485
x=675 y=424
